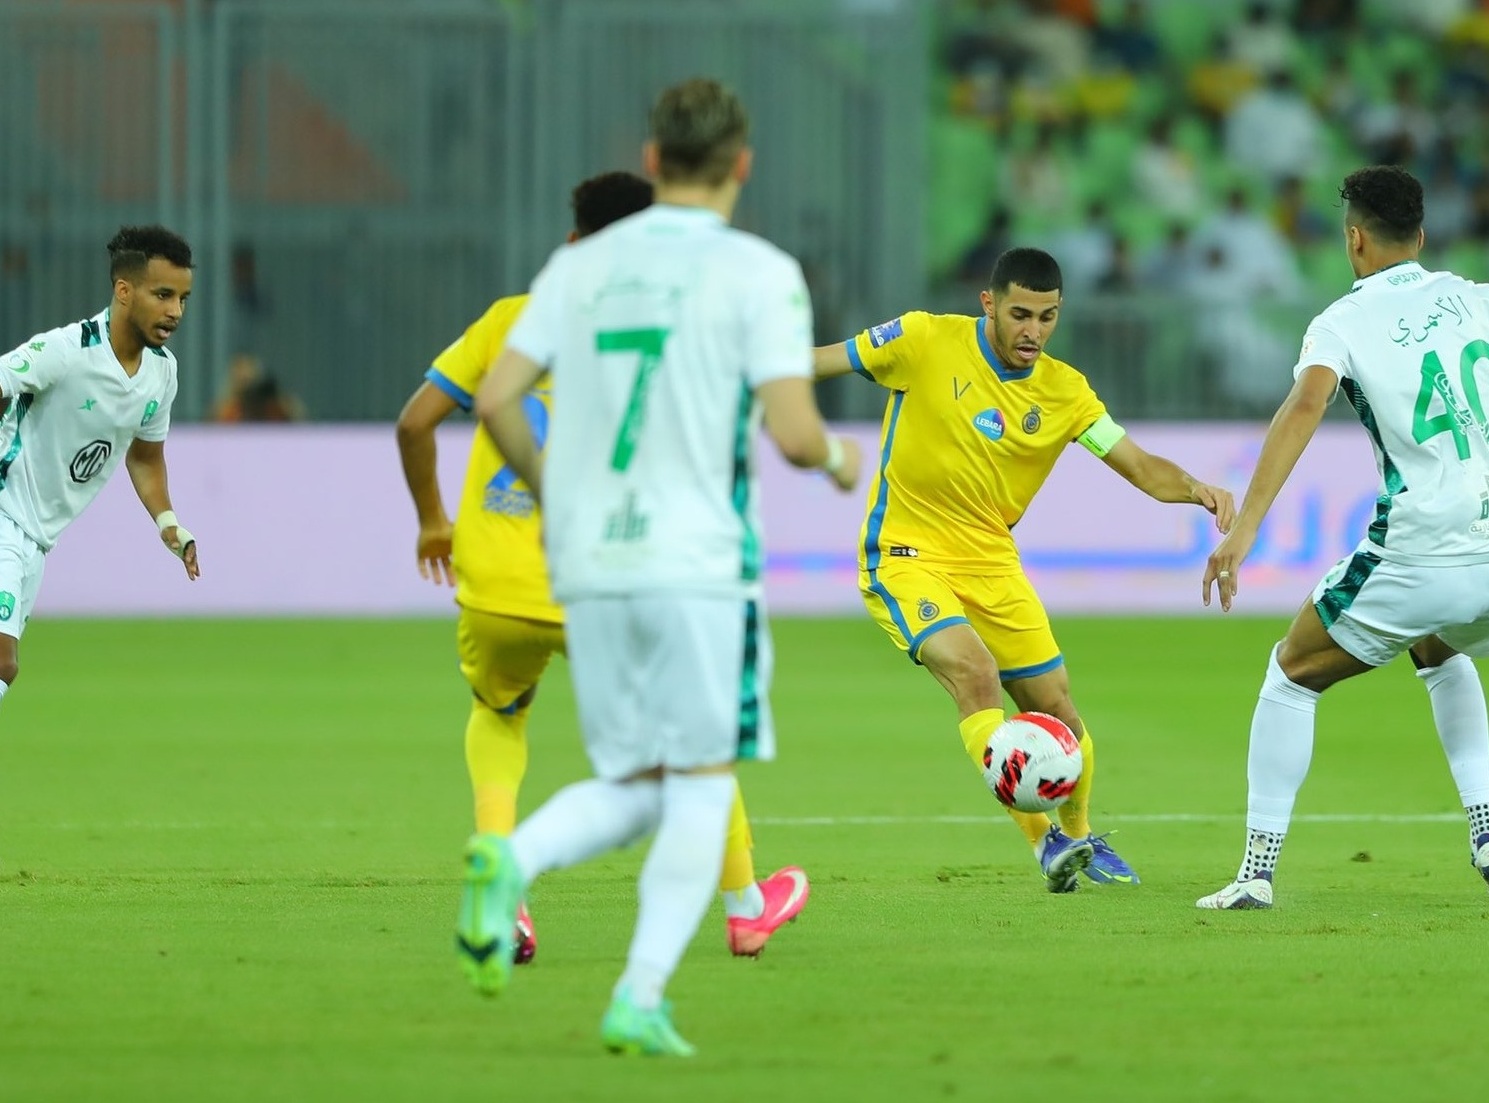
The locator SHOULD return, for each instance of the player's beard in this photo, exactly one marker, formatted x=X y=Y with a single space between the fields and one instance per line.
x=146 y=334
x=1007 y=350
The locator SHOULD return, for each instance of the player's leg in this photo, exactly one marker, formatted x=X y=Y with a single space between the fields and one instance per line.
x=617 y=807
x=755 y=910
x=21 y=563
x=1050 y=692
x=1309 y=659
x=502 y=659
x=708 y=702
x=1007 y=616
x=1459 y=713
x=919 y=612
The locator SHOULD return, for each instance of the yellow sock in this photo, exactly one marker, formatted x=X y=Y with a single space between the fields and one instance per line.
x=739 y=862
x=976 y=730
x=496 y=756
x=1075 y=813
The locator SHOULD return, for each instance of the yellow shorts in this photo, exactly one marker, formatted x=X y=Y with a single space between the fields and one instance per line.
x=913 y=602
x=503 y=657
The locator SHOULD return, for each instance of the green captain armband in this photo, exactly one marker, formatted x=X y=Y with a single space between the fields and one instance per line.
x=1102 y=436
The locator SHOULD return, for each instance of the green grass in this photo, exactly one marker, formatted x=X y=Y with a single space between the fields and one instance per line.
x=229 y=864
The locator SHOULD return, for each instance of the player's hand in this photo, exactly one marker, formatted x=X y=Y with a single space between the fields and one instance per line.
x=172 y=538
x=1217 y=500
x=434 y=553
x=846 y=476
x=1224 y=566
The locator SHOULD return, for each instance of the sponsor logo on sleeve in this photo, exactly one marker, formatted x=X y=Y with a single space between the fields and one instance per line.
x=880 y=335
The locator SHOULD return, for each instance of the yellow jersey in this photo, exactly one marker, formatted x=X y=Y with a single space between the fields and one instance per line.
x=966 y=441
x=498 y=546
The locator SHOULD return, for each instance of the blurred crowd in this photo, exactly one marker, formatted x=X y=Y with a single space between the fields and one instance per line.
x=1196 y=148
x=1145 y=131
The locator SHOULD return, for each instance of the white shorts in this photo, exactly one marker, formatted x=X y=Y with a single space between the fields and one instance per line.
x=21 y=562
x=1375 y=609
x=680 y=681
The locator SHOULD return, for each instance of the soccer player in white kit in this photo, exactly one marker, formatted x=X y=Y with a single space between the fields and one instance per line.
x=668 y=334
x=78 y=399
x=1410 y=350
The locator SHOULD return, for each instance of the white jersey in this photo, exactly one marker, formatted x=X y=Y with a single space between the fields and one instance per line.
x=1411 y=349
x=71 y=413
x=658 y=330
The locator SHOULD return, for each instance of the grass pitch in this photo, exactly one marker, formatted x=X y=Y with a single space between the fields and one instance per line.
x=229 y=865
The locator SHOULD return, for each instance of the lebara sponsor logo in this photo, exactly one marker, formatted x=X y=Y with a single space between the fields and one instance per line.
x=990 y=423
x=886 y=332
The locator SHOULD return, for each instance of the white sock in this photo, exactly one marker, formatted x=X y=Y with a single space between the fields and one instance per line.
x=1276 y=764
x=1462 y=724
x=678 y=880
x=584 y=820
x=747 y=903
x=3 y=687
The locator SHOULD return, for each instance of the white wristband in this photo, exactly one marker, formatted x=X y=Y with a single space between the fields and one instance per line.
x=166 y=519
x=834 y=454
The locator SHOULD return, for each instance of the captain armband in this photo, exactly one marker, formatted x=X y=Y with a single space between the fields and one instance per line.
x=1102 y=436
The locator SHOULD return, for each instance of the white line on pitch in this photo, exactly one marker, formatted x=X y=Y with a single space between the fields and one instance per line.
x=1160 y=817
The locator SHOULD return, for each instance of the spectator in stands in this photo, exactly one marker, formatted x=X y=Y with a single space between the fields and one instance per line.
x=1273 y=132
x=1130 y=41
x=1262 y=41
x=1165 y=175
x=1121 y=276
x=1253 y=257
x=1326 y=20
x=1217 y=82
x=1338 y=95
x=996 y=238
x=1445 y=198
x=1085 y=249
x=1399 y=130
x=1056 y=50
x=1248 y=361
x=1294 y=216
x=1167 y=265
x=1039 y=178
x=253 y=395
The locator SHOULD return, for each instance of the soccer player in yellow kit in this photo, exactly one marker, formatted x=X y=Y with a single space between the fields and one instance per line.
x=978 y=414
x=509 y=626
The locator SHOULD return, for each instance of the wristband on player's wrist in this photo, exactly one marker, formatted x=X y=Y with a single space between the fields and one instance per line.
x=165 y=519
x=834 y=460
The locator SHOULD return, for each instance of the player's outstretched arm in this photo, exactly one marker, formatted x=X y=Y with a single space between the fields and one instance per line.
x=795 y=424
x=145 y=462
x=425 y=409
x=1292 y=428
x=1165 y=481
x=499 y=406
x=831 y=360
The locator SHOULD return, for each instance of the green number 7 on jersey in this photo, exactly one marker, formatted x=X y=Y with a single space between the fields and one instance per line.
x=648 y=344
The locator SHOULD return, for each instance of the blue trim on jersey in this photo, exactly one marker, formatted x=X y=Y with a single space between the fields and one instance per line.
x=895 y=613
x=851 y=344
x=930 y=630
x=1006 y=374
x=459 y=394
x=881 y=502
x=1032 y=671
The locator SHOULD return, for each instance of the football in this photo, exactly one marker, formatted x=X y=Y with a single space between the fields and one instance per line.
x=1032 y=762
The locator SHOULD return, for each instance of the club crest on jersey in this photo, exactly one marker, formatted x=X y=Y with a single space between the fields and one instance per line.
x=1031 y=421
x=7 y=604
x=880 y=335
x=928 y=609
x=990 y=423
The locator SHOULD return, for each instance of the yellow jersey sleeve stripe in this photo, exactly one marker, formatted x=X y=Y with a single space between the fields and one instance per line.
x=851 y=344
x=461 y=396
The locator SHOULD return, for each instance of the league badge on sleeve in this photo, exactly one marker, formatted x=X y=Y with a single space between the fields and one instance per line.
x=880 y=335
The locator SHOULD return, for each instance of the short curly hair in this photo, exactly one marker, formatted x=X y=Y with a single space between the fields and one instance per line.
x=132 y=247
x=607 y=198
x=1386 y=200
